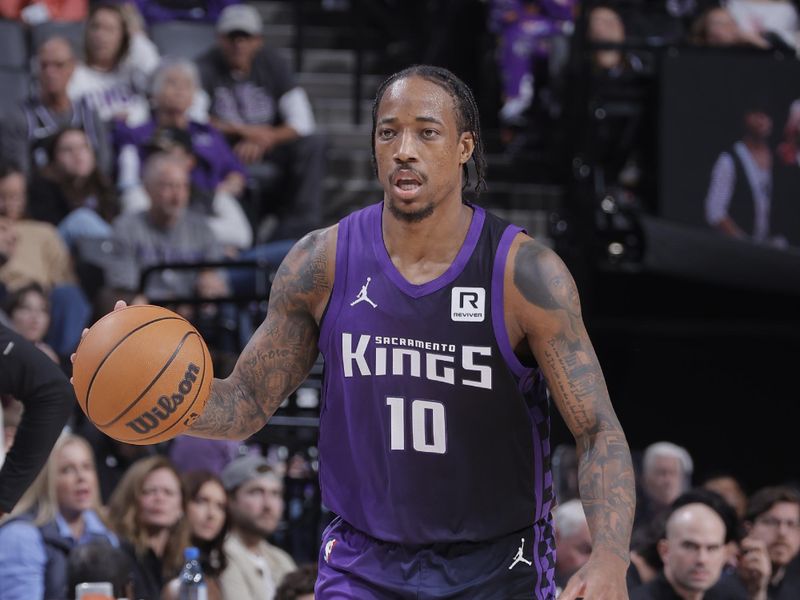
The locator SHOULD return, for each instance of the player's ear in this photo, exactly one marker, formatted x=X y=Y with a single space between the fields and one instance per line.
x=466 y=145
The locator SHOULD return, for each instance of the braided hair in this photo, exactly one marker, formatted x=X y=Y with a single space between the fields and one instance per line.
x=467 y=117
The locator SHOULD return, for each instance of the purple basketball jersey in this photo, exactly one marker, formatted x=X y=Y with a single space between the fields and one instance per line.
x=431 y=428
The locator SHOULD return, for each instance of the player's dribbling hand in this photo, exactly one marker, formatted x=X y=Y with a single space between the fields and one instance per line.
x=601 y=578
x=120 y=304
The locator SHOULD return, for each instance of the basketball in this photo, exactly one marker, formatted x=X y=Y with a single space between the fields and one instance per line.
x=142 y=374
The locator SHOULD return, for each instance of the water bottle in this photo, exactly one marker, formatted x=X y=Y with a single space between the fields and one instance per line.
x=192 y=584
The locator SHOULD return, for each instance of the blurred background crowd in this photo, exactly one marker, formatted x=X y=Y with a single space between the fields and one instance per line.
x=172 y=151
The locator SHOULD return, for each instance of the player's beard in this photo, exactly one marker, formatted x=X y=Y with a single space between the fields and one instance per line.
x=414 y=216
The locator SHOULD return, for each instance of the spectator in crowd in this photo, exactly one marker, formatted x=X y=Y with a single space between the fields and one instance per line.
x=71 y=192
x=217 y=176
x=299 y=584
x=25 y=132
x=693 y=553
x=727 y=486
x=39 y=255
x=98 y=562
x=206 y=512
x=58 y=512
x=573 y=540
x=788 y=150
x=266 y=116
x=167 y=232
x=666 y=474
x=772 y=522
x=606 y=28
x=147 y=510
x=29 y=310
x=767 y=18
x=35 y=12
x=525 y=29
x=119 y=60
x=739 y=198
x=255 y=496
x=716 y=27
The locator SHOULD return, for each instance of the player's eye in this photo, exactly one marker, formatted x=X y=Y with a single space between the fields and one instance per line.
x=429 y=133
x=385 y=134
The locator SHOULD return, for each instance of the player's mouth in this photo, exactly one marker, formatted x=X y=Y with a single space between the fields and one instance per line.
x=406 y=184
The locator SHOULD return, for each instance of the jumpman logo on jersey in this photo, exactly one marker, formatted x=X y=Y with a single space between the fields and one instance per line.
x=519 y=558
x=362 y=295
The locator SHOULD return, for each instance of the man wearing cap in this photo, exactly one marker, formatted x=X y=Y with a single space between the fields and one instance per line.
x=266 y=117
x=255 y=499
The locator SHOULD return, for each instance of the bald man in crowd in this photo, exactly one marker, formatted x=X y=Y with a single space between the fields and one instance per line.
x=693 y=553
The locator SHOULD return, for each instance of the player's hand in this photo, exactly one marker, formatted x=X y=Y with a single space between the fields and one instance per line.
x=601 y=578
x=754 y=567
x=120 y=304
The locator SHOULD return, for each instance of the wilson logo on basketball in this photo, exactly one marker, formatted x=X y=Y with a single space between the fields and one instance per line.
x=165 y=405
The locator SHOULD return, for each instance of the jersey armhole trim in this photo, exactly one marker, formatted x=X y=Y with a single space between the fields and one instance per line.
x=498 y=307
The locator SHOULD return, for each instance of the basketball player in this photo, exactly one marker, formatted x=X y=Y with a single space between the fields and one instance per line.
x=35 y=380
x=439 y=325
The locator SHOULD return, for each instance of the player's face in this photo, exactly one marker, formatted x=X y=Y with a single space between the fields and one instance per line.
x=418 y=149
x=779 y=528
x=695 y=552
x=206 y=511
x=160 y=504
x=258 y=504
x=76 y=480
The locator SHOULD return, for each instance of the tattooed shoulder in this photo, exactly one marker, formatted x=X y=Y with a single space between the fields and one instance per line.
x=542 y=278
x=306 y=273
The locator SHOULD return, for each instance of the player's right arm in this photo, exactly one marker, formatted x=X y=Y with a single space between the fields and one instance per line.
x=279 y=356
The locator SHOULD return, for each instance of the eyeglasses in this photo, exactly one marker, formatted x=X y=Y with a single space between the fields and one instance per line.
x=774 y=523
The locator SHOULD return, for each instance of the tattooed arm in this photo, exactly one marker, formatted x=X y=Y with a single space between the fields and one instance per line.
x=283 y=349
x=544 y=309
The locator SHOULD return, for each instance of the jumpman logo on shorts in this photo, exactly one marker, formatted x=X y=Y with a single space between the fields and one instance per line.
x=519 y=558
x=362 y=295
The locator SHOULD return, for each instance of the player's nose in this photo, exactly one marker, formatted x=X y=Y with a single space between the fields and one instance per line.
x=405 y=150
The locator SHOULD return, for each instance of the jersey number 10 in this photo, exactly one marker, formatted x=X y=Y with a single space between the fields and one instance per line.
x=435 y=443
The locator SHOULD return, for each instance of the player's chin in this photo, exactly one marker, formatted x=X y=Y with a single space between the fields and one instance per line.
x=412 y=211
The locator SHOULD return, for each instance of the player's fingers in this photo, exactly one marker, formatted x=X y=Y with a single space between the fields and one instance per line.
x=120 y=305
x=574 y=590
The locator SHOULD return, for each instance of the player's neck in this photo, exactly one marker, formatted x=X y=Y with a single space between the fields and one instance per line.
x=423 y=250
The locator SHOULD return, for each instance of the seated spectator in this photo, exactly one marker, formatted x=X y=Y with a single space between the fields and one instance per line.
x=716 y=27
x=764 y=17
x=160 y=11
x=39 y=255
x=58 y=512
x=208 y=520
x=35 y=12
x=119 y=59
x=255 y=496
x=266 y=116
x=147 y=511
x=98 y=562
x=769 y=566
x=29 y=310
x=524 y=31
x=167 y=232
x=606 y=27
x=573 y=540
x=299 y=584
x=693 y=553
x=217 y=176
x=727 y=486
x=666 y=474
x=71 y=192
x=26 y=131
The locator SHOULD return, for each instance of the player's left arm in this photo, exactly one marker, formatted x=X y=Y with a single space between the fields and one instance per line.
x=543 y=303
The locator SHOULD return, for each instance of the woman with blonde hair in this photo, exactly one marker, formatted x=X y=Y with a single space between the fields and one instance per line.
x=58 y=512
x=147 y=511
